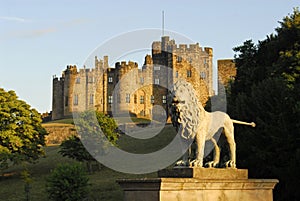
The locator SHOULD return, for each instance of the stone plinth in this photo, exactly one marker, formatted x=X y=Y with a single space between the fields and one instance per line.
x=208 y=188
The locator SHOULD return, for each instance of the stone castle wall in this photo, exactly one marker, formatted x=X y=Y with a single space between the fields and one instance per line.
x=226 y=71
x=127 y=87
x=58 y=132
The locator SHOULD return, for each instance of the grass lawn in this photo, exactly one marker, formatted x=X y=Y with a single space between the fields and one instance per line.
x=61 y=121
x=121 y=120
x=103 y=182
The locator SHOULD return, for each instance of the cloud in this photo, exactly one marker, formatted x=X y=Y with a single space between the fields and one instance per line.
x=16 y=19
x=33 y=33
x=40 y=32
x=60 y=26
x=27 y=34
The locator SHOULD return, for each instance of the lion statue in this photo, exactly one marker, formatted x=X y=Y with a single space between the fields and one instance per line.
x=192 y=122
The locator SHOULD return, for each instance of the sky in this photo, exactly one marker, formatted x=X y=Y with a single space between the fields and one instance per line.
x=39 y=38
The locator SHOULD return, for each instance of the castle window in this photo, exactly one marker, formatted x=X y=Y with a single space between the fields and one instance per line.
x=205 y=61
x=156 y=67
x=142 y=80
x=156 y=81
x=203 y=75
x=142 y=99
x=127 y=98
x=110 y=79
x=135 y=98
x=190 y=60
x=77 y=80
x=75 y=101
x=152 y=99
x=66 y=101
x=164 y=99
x=179 y=58
x=91 y=80
x=110 y=99
x=91 y=99
x=189 y=73
x=176 y=74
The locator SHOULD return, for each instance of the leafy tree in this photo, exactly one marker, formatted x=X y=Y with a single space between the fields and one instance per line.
x=73 y=148
x=67 y=183
x=266 y=90
x=86 y=125
x=21 y=133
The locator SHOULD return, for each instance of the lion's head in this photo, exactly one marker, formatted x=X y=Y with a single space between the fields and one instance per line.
x=184 y=109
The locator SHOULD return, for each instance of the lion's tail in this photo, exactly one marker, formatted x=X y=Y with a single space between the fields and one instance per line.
x=244 y=123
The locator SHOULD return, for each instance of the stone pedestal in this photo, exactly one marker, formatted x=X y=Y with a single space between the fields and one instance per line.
x=199 y=184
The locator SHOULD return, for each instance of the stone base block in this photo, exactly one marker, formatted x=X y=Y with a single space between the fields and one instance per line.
x=198 y=189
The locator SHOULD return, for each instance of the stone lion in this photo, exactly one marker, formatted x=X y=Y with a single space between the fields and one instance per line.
x=193 y=122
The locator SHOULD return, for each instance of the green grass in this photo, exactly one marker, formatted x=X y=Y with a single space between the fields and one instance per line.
x=121 y=120
x=103 y=182
x=62 y=121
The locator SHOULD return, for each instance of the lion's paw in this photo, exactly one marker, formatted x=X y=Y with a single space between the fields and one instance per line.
x=196 y=163
x=230 y=164
x=182 y=163
x=211 y=164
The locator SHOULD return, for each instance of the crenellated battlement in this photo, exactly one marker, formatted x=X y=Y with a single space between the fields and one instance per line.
x=170 y=46
x=126 y=65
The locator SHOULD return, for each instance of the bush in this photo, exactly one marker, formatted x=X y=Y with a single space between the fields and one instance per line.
x=67 y=183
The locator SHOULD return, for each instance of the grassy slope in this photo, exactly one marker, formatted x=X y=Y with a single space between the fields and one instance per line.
x=103 y=185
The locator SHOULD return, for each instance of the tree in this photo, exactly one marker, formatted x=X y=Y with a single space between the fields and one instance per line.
x=67 y=183
x=267 y=91
x=21 y=133
x=73 y=147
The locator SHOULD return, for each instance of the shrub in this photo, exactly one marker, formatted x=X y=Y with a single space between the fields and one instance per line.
x=67 y=182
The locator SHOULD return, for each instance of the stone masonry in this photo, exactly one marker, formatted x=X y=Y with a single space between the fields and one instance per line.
x=130 y=88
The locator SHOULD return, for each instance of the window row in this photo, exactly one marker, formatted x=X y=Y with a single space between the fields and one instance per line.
x=135 y=98
x=190 y=60
x=110 y=99
x=76 y=99
x=189 y=74
x=156 y=81
x=89 y=80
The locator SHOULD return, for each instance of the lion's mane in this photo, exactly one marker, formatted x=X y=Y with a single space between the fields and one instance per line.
x=184 y=109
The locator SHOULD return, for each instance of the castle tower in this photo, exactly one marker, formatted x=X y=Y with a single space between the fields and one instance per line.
x=209 y=70
x=226 y=71
x=57 y=98
x=69 y=98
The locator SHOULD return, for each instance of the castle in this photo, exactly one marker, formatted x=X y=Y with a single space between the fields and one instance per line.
x=130 y=88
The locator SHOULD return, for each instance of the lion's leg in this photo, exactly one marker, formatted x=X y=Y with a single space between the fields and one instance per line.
x=200 y=141
x=229 y=133
x=216 y=160
x=185 y=157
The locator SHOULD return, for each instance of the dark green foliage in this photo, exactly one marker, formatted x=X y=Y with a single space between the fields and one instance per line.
x=73 y=148
x=91 y=136
x=266 y=90
x=67 y=183
x=94 y=123
x=21 y=133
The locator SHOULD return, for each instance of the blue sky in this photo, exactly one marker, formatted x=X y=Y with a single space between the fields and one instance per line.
x=39 y=38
